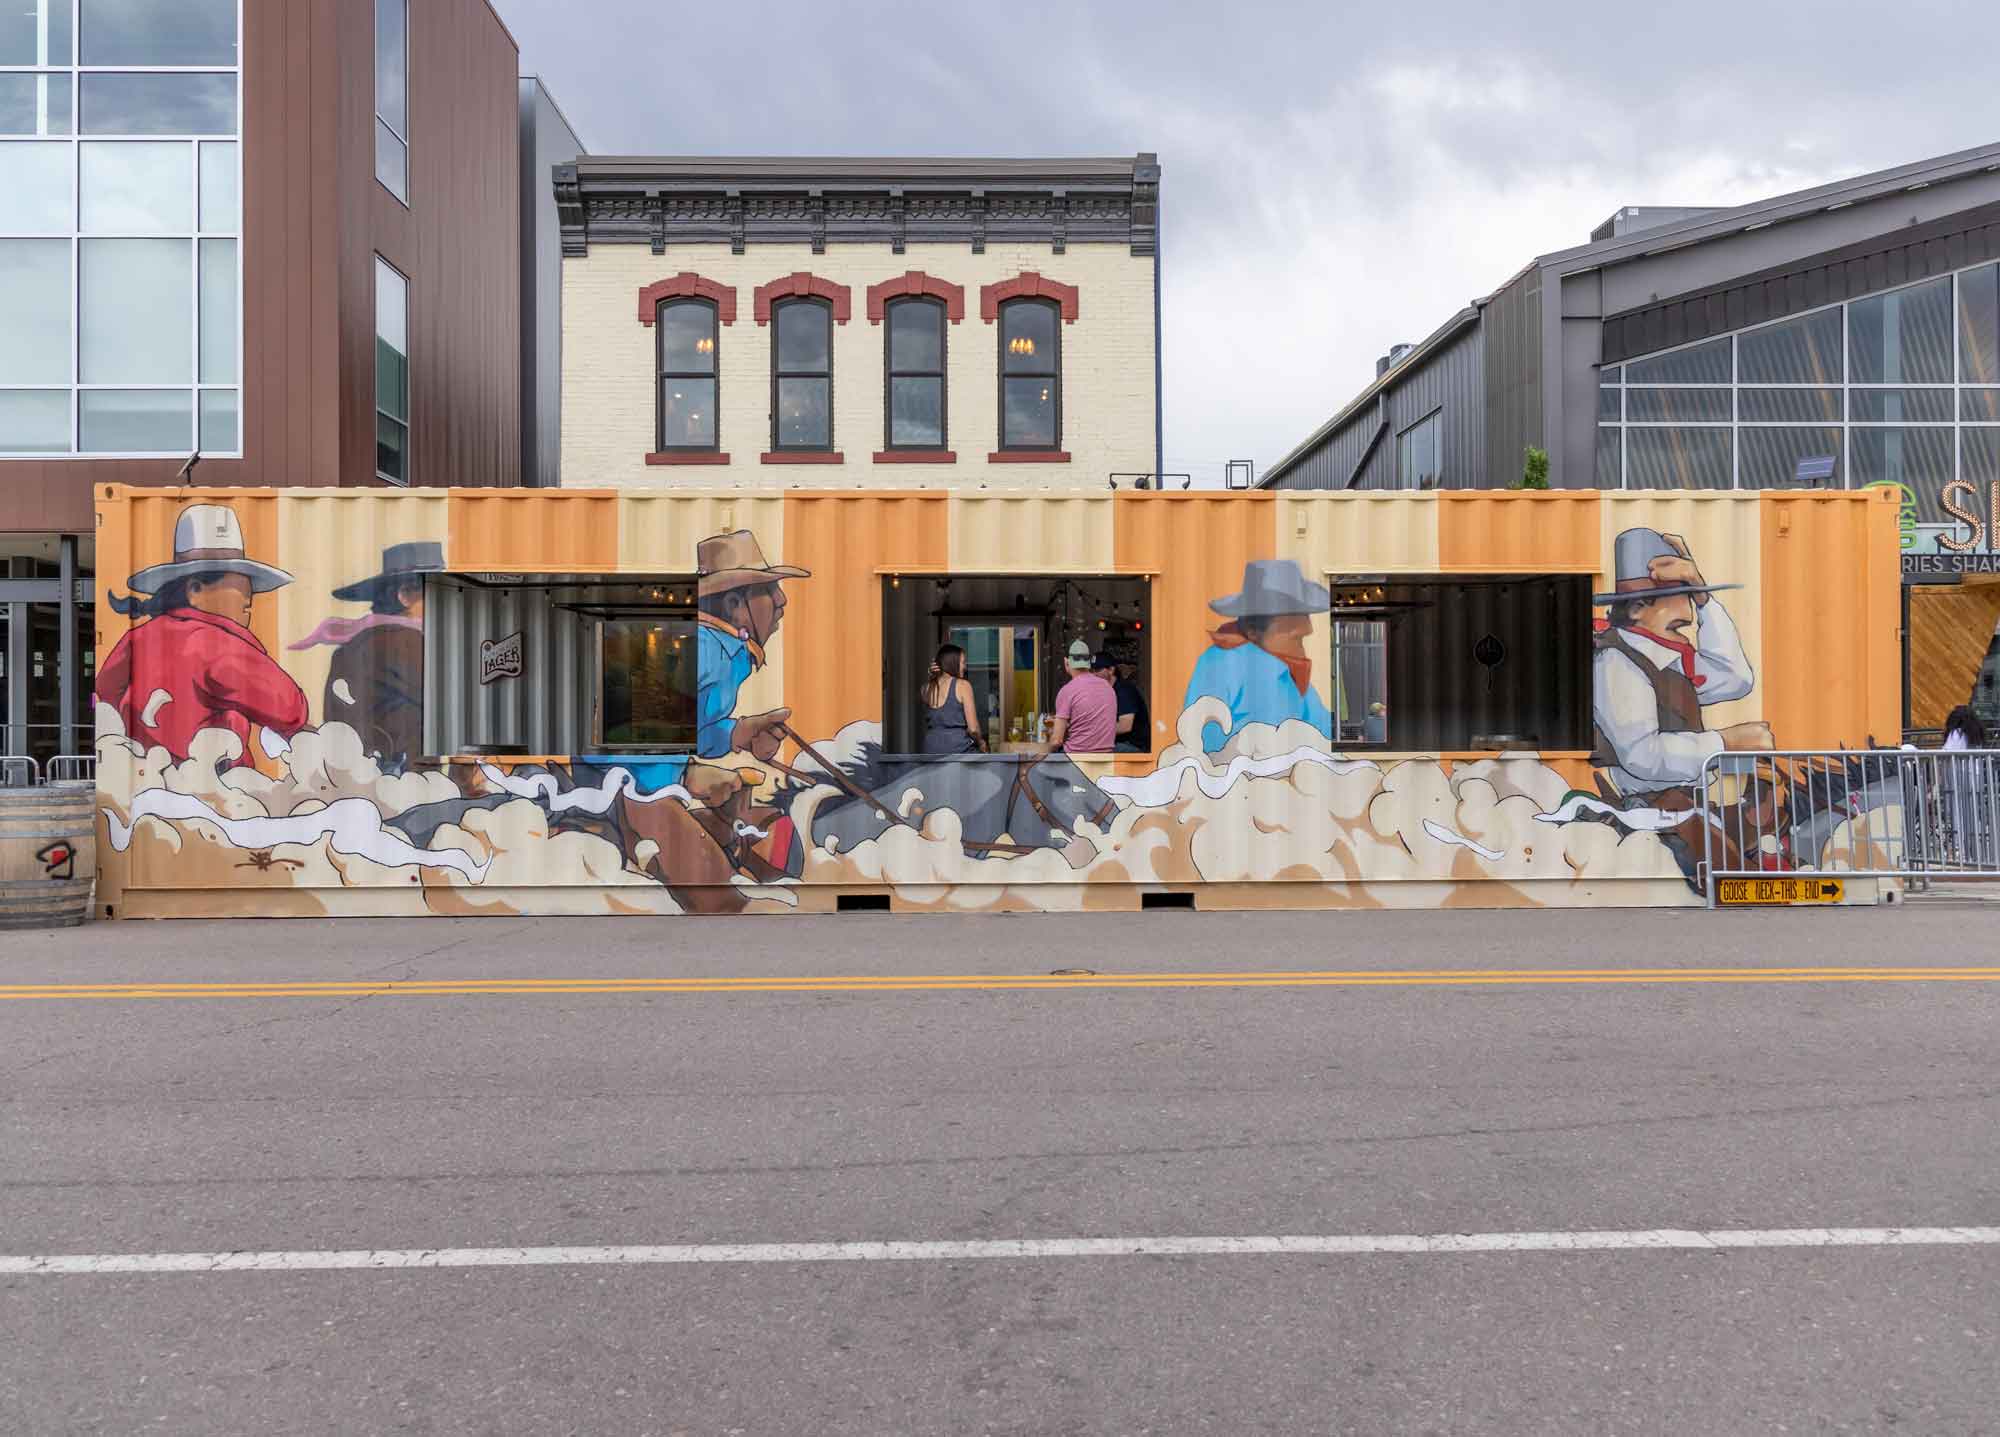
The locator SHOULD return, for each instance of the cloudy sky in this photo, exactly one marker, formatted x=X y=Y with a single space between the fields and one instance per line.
x=1336 y=177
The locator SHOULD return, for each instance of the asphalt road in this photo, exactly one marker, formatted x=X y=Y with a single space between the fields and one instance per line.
x=145 y=1125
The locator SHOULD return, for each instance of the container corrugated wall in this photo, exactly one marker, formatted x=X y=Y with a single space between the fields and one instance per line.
x=1489 y=531
x=540 y=710
x=657 y=533
x=1031 y=534
x=1359 y=533
x=559 y=531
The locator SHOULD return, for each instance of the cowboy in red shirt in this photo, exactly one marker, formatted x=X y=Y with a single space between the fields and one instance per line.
x=195 y=664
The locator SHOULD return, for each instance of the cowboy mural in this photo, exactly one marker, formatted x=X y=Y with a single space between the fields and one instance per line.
x=1668 y=650
x=375 y=683
x=193 y=664
x=1256 y=662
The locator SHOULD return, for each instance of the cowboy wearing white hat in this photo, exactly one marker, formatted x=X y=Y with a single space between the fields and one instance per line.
x=1257 y=662
x=1668 y=650
x=194 y=664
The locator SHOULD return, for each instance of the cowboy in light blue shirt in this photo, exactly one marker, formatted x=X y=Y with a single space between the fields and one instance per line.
x=1257 y=662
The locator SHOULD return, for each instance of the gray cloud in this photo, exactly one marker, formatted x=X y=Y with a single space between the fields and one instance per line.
x=1336 y=177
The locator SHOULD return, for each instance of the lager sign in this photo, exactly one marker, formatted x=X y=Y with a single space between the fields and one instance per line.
x=1780 y=890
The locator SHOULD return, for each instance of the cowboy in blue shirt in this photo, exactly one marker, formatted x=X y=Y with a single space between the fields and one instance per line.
x=1257 y=662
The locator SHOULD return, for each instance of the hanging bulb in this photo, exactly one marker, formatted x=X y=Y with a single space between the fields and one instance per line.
x=895 y=581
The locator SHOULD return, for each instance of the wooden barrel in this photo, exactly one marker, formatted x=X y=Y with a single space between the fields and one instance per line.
x=48 y=855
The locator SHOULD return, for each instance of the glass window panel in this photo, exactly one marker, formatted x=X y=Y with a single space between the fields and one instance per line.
x=135 y=187
x=219 y=423
x=20 y=35
x=1920 y=458
x=687 y=338
x=1769 y=458
x=392 y=163
x=687 y=413
x=1979 y=406
x=1903 y=337
x=135 y=311
x=1417 y=454
x=803 y=336
x=1028 y=336
x=916 y=413
x=1612 y=374
x=1703 y=364
x=1030 y=418
x=59 y=109
x=1786 y=406
x=392 y=306
x=392 y=72
x=1979 y=457
x=1610 y=457
x=34 y=311
x=1979 y=326
x=136 y=421
x=159 y=104
x=1697 y=406
x=221 y=190
x=17 y=105
x=159 y=32
x=916 y=335
x=1805 y=350
x=650 y=679
x=36 y=188
x=392 y=449
x=1678 y=459
x=60 y=29
x=803 y=417
x=1899 y=406
x=218 y=311
x=1609 y=402
x=34 y=421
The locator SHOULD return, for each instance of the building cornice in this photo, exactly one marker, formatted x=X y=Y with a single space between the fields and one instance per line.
x=897 y=202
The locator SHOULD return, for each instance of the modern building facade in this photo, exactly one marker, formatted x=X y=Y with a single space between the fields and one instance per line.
x=284 y=237
x=784 y=323
x=1839 y=337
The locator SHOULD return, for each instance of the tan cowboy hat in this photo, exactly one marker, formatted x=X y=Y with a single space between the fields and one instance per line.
x=733 y=561
x=208 y=540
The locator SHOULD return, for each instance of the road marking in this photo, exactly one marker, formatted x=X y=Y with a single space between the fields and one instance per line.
x=1433 y=1244
x=987 y=982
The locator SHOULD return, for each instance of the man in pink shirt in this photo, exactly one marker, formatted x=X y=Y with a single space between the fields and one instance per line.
x=1086 y=709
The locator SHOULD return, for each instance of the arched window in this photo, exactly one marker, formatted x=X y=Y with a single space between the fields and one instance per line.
x=802 y=375
x=1030 y=374
x=915 y=392
x=687 y=383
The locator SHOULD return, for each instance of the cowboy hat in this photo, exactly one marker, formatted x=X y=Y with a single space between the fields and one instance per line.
x=733 y=561
x=208 y=540
x=399 y=563
x=1632 y=557
x=1272 y=587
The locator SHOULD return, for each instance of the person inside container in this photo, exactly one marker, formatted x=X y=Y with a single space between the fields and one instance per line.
x=1134 y=723
x=951 y=718
x=193 y=664
x=1256 y=662
x=1086 y=718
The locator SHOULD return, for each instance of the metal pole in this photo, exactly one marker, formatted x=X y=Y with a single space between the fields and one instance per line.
x=17 y=677
x=66 y=647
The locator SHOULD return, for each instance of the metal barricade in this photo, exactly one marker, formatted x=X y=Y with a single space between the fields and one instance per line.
x=72 y=768
x=18 y=770
x=1836 y=813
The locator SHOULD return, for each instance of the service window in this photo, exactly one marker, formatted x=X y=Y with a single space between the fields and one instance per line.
x=647 y=679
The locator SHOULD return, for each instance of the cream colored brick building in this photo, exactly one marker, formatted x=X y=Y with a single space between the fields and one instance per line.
x=1045 y=269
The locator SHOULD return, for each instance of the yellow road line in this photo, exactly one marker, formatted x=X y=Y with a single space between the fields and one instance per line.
x=1035 y=982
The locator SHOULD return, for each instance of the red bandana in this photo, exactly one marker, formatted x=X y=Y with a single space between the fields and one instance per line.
x=1681 y=647
x=1231 y=637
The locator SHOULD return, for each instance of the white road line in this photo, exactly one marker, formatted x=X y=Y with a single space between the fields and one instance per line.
x=1032 y=1248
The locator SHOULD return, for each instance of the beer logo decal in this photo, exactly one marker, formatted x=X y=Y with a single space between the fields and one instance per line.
x=500 y=658
x=58 y=859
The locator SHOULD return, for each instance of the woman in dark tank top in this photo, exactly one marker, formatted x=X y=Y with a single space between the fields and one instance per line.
x=951 y=725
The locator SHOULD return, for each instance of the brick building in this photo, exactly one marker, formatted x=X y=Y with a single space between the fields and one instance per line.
x=791 y=323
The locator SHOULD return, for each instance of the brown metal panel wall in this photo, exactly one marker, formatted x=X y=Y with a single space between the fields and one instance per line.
x=458 y=243
x=1512 y=323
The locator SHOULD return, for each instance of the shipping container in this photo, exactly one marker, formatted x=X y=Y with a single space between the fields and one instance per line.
x=722 y=701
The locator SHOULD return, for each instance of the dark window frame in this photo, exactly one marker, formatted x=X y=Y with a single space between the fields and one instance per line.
x=1435 y=418
x=407 y=422
x=661 y=374
x=1053 y=374
x=890 y=374
x=402 y=137
x=778 y=311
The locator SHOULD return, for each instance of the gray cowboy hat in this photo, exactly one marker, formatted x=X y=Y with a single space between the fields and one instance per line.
x=1272 y=587
x=1633 y=581
x=399 y=562
x=208 y=540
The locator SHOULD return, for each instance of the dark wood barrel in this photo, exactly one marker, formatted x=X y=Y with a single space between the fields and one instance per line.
x=48 y=855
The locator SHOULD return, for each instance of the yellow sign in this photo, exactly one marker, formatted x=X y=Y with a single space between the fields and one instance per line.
x=1780 y=890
